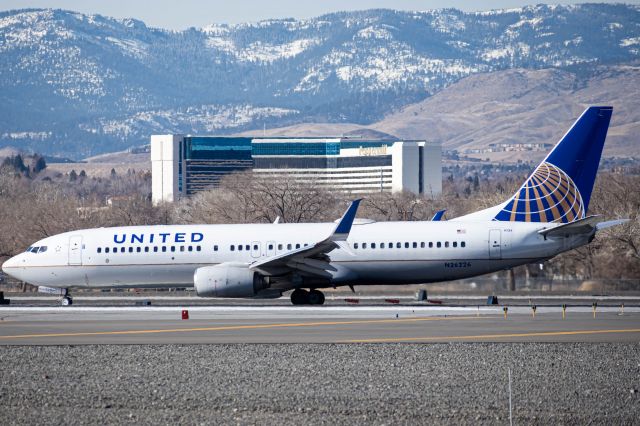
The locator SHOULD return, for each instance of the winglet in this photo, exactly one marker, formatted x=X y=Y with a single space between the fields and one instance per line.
x=344 y=226
x=438 y=215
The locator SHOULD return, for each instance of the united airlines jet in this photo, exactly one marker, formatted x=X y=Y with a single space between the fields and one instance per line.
x=545 y=217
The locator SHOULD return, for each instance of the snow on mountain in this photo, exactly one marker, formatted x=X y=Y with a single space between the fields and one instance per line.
x=93 y=84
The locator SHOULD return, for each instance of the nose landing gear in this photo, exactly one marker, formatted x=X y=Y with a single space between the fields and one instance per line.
x=304 y=297
x=66 y=301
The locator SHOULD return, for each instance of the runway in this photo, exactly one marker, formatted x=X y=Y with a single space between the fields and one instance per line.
x=325 y=324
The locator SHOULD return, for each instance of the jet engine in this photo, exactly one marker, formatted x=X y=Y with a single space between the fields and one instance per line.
x=228 y=280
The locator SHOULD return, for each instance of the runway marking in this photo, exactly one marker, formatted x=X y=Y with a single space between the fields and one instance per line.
x=491 y=336
x=242 y=327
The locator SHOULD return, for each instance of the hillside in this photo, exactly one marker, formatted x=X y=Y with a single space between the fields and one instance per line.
x=513 y=106
x=79 y=85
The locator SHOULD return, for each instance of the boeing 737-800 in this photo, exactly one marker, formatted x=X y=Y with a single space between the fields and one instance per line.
x=545 y=217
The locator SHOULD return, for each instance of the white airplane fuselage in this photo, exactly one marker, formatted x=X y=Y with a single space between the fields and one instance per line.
x=380 y=252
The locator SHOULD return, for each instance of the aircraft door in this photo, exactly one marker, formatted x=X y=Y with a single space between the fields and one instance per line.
x=255 y=249
x=75 y=250
x=271 y=248
x=495 y=244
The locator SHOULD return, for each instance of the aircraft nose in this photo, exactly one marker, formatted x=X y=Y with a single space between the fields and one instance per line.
x=9 y=265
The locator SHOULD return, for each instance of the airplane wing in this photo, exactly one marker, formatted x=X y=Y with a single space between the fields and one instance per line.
x=438 y=215
x=582 y=226
x=312 y=260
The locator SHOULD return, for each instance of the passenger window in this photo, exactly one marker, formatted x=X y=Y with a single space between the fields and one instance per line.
x=199 y=248
x=446 y=243
x=415 y=245
x=190 y=248
x=288 y=246
x=355 y=245
x=130 y=249
x=305 y=244
x=430 y=244
x=240 y=247
x=455 y=244
x=297 y=246
x=164 y=249
x=398 y=245
x=99 y=250
x=255 y=247
x=146 y=249
x=381 y=245
x=247 y=247
x=364 y=245
x=373 y=245
x=270 y=246
x=155 y=249
x=106 y=250
x=138 y=249
x=439 y=244
x=121 y=249
x=215 y=248
x=173 y=248
x=115 y=249
x=279 y=246
x=181 y=248
x=390 y=245
x=422 y=244
x=463 y=244
x=406 y=245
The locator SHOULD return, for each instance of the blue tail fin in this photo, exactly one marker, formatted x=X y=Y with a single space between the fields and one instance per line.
x=560 y=188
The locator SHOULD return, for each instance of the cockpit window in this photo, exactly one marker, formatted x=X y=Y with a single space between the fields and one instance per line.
x=33 y=249
x=42 y=249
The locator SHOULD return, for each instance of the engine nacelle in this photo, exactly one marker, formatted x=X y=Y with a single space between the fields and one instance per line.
x=228 y=280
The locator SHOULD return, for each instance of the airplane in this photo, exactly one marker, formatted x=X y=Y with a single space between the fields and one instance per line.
x=545 y=217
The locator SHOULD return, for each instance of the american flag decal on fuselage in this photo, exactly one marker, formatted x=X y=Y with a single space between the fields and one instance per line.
x=549 y=195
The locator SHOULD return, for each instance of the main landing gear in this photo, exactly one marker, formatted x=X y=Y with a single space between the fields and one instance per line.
x=304 y=297
x=66 y=299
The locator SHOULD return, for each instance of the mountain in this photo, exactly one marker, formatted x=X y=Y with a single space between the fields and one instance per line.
x=509 y=107
x=78 y=85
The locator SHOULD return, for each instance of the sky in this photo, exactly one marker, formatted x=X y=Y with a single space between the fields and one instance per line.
x=182 y=14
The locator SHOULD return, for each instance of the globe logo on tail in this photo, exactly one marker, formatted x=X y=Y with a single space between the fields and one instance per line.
x=549 y=195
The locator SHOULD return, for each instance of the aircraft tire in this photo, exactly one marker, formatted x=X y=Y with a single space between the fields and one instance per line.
x=316 y=297
x=300 y=297
x=66 y=301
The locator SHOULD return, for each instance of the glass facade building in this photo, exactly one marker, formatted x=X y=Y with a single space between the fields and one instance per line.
x=184 y=165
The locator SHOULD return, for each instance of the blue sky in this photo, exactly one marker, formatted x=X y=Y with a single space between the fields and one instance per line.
x=182 y=14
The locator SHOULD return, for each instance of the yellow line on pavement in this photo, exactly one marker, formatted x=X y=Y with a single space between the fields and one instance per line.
x=242 y=327
x=491 y=336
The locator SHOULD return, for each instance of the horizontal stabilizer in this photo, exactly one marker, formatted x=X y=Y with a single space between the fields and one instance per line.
x=608 y=224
